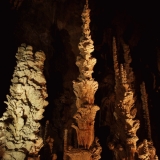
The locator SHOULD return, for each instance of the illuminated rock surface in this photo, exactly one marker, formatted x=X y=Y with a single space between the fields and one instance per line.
x=84 y=90
x=26 y=104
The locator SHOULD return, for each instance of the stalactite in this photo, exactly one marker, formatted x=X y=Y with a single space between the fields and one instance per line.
x=84 y=89
x=26 y=104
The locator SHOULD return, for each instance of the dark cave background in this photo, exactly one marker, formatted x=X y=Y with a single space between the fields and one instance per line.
x=54 y=26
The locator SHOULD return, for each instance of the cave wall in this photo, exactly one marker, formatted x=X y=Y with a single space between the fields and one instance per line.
x=54 y=26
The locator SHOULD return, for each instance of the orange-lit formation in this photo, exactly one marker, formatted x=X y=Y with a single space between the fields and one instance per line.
x=84 y=89
x=125 y=125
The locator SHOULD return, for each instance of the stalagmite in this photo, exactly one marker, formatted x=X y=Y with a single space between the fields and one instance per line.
x=84 y=89
x=26 y=104
x=65 y=143
x=124 y=141
x=146 y=150
x=45 y=132
x=128 y=60
x=144 y=98
x=125 y=126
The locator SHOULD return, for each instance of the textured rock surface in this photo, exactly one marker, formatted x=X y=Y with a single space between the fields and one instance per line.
x=125 y=126
x=84 y=89
x=26 y=104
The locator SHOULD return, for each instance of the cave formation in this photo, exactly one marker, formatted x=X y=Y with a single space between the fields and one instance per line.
x=54 y=26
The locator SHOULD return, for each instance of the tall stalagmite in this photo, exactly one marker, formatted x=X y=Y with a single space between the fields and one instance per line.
x=84 y=89
x=146 y=149
x=126 y=126
x=26 y=104
x=124 y=138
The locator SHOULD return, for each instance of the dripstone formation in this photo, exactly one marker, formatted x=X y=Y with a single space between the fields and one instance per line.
x=26 y=104
x=84 y=89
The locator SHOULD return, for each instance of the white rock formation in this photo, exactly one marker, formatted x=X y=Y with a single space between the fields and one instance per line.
x=26 y=104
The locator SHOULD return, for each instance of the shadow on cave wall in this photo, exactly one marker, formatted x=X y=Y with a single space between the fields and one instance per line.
x=61 y=97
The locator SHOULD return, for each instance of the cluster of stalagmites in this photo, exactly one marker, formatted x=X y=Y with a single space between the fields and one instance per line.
x=144 y=98
x=124 y=141
x=26 y=104
x=84 y=89
x=146 y=149
x=126 y=126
